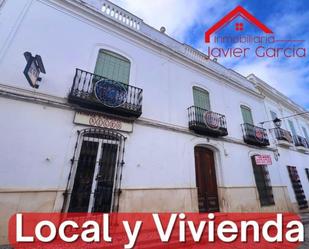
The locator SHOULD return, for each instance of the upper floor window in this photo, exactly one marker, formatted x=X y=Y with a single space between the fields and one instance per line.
x=291 y=124
x=112 y=66
x=246 y=114
x=305 y=133
x=1 y=3
x=273 y=115
x=201 y=98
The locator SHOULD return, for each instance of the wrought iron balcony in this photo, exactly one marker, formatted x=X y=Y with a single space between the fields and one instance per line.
x=206 y=122
x=301 y=142
x=96 y=92
x=283 y=136
x=255 y=135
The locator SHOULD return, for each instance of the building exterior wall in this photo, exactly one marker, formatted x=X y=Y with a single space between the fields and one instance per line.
x=38 y=136
x=291 y=155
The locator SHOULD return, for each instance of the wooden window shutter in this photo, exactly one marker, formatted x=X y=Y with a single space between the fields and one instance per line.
x=112 y=66
x=292 y=128
x=246 y=114
x=273 y=115
x=305 y=133
x=201 y=98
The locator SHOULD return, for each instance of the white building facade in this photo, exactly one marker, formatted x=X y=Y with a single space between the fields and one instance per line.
x=126 y=119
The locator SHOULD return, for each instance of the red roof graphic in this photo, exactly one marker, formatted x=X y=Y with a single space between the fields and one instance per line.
x=238 y=11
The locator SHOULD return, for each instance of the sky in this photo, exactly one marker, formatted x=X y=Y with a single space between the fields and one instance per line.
x=187 y=22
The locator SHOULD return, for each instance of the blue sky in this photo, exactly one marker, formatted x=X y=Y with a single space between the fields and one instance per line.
x=188 y=20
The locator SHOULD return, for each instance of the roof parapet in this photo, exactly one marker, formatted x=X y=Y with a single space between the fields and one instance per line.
x=124 y=17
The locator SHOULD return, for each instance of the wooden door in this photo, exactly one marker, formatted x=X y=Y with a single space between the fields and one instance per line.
x=206 y=180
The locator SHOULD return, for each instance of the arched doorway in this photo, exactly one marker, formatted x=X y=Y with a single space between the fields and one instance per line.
x=206 y=180
x=96 y=172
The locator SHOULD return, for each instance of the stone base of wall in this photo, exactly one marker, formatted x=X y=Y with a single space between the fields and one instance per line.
x=297 y=210
x=246 y=199
x=158 y=200
x=231 y=199
x=12 y=202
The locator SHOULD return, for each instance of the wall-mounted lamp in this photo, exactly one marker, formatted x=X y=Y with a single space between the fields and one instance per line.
x=277 y=122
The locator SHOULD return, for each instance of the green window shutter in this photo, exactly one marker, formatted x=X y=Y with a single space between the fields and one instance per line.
x=305 y=133
x=113 y=66
x=246 y=114
x=292 y=128
x=273 y=115
x=201 y=98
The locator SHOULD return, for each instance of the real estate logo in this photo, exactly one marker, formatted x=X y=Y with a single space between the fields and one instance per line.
x=236 y=44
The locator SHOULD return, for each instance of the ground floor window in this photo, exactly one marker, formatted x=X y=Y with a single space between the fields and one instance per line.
x=297 y=187
x=263 y=183
x=96 y=172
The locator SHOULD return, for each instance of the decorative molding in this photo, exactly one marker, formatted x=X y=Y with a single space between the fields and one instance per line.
x=39 y=98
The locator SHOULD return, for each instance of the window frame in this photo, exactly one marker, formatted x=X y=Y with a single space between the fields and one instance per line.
x=305 y=132
x=292 y=127
x=273 y=114
x=100 y=56
x=248 y=109
x=202 y=91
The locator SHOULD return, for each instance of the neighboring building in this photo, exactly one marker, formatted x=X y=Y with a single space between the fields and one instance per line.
x=291 y=140
x=165 y=129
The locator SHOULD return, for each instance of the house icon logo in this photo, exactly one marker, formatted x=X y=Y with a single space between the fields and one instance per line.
x=239 y=26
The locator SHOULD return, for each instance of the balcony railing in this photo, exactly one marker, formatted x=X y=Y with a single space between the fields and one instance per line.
x=301 y=142
x=255 y=135
x=96 y=92
x=206 y=122
x=282 y=135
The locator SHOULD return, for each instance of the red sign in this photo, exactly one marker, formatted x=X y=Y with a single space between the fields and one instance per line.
x=157 y=230
x=263 y=160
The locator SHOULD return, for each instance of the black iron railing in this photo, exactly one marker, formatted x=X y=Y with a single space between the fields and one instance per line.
x=255 y=135
x=282 y=135
x=96 y=92
x=301 y=142
x=207 y=122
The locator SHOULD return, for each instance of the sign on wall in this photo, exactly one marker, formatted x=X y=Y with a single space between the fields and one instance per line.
x=263 y=160
x=102 y=121
x=33 y=69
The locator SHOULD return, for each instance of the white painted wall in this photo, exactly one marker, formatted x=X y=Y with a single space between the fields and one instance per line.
x=290 y=157
x=66 y=41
